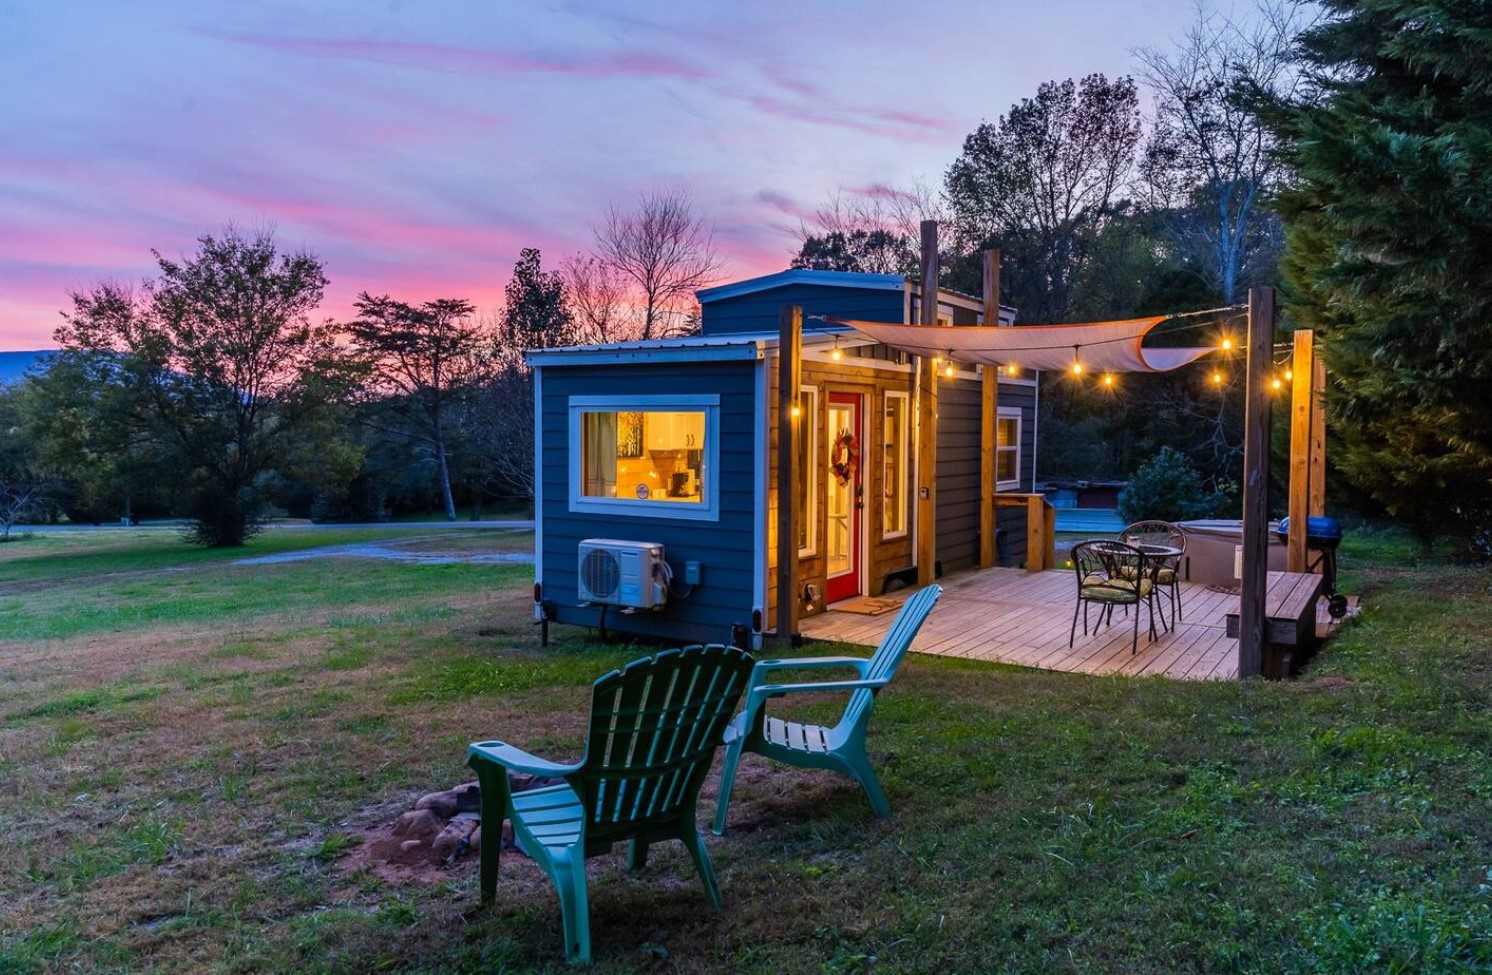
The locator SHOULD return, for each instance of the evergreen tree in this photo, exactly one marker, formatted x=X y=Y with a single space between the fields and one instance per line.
x=1389 y=227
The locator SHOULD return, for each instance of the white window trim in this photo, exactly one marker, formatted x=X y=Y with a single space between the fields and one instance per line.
x=810 y=433
x=708 y=509
x=1011 y=412
x=905 y=459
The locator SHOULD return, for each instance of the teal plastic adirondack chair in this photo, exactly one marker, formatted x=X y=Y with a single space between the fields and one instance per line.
x=840 y=748
x=654 y=729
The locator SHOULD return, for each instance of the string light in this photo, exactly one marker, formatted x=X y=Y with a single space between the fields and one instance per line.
x=1077 y=363
x=797 y=410
x=838 y=353
x=1108 y=380
x=1275 y=383
x=1227 y=343
x=1011 y=369
x=1289 y=374
x=1217 y=378
x=949 y=371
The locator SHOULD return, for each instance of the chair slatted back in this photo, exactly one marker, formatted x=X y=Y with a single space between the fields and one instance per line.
x=1154 y=533
x=654 y=729
x=893 y=648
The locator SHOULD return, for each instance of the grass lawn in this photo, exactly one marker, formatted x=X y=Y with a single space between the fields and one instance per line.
x=189 y=745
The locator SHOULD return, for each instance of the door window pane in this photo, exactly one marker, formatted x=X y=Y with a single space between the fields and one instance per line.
x=895 y=422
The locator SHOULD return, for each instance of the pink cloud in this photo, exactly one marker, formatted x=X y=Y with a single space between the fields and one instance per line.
x=449 y=58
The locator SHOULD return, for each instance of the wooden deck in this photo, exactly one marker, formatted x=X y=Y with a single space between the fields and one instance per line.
x=1016 y=617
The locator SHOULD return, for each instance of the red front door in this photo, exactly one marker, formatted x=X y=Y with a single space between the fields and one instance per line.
x=843 y=497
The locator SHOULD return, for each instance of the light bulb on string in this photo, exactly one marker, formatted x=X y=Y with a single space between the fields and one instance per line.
x=1077 y=362
x=1227 y=343
x=1108 y=380
x=1011 y=369
x=948 y=371
x=838 y=353
x=796 y=410
x=1289 y=374
x=1217 y=378
x=1276 y=383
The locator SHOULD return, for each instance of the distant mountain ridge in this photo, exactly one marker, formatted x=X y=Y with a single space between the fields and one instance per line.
x=13 y=365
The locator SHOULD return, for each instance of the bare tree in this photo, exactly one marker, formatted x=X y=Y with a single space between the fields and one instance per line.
x=1210 y=158
x=664 y=250
x=598 y=299
x=875 y=231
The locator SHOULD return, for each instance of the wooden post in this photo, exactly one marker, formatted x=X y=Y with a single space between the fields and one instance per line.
x=1300 y=449
x=1317 y=502
x=927 y=417
x=1251 y=618
x=989 y=419
x=789 y=429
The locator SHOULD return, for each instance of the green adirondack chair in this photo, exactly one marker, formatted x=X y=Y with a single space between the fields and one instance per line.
x=654 y=729
x=840 y=748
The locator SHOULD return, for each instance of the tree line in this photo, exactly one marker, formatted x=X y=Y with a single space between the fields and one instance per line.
x=1338 y=149
x=211 y=391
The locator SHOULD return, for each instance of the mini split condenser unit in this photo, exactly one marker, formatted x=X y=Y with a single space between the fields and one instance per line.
x=629 y=574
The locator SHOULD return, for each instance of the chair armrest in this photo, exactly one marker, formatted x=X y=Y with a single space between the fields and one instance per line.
x=761 y=693
x=858 y=664
x=516 y=759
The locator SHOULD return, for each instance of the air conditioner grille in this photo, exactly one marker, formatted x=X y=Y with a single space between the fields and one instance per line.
x=601 y=573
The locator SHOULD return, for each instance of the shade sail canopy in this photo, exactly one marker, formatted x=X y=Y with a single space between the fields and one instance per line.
x=1100 y=346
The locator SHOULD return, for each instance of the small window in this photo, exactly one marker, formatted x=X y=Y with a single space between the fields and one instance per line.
x=644 y=455
x=1008 y=449
x=808 y=440
x=895 y=424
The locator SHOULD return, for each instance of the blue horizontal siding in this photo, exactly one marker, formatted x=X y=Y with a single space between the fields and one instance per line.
x=725 y=548
x=760 y=311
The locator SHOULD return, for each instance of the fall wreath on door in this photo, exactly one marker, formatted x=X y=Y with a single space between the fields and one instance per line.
x=844 y=459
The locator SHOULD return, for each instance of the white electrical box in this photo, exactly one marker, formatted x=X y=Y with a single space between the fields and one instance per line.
x=621 y=573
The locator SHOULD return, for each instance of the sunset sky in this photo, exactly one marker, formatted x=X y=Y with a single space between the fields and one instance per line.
x=417 y=146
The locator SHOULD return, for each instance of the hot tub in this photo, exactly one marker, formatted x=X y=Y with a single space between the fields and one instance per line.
x=1211 y=551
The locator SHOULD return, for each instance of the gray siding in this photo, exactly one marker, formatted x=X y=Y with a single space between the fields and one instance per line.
x=759 y=311
x=958 y=474
x=724 y=548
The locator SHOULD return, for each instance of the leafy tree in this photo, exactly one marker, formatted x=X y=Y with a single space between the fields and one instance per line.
x=664 y=250
x=1043 y=182
x=23 y=486
x=536 y=310
x=91 y=424
x=420 y=359
x=229 y=369
x=1389 y=223
x=866 y=251
x=877 y=231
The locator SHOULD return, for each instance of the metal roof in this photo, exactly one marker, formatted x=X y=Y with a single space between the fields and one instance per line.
x=736 y=346
x=832 y=279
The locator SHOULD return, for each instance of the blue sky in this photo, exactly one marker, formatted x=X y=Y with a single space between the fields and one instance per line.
x=417 y=146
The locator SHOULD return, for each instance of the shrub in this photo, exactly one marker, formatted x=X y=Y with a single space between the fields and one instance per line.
x=1167 y=488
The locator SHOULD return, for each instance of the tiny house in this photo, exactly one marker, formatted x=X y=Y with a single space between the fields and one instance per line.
x=657 y=468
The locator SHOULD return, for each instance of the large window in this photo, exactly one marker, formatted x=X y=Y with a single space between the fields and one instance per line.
x=646 y=455
x=808 y=472
x=895 y=470
x=1008 y=449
